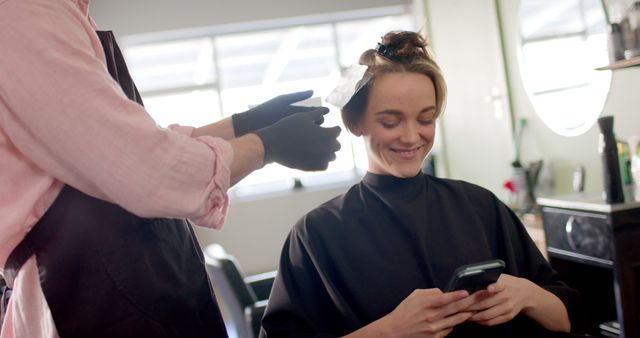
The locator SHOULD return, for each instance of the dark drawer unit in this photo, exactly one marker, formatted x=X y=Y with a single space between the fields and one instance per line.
x=596 y=249
x=580 y=236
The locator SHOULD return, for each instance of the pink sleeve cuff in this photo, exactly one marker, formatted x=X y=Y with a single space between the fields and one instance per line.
x=218 y=202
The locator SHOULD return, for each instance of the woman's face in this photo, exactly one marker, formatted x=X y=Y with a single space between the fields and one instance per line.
x=399 y=123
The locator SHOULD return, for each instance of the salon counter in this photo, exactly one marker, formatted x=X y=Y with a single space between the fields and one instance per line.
x=533 y=224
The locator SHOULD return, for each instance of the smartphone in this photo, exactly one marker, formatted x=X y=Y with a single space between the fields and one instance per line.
x=474 y=277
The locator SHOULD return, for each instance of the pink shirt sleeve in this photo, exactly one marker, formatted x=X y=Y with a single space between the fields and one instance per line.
x=62 y=111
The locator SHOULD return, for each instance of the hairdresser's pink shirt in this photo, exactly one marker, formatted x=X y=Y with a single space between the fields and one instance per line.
x=63 y=119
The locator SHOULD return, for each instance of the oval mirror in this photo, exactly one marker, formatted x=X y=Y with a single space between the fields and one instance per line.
x=562 y=43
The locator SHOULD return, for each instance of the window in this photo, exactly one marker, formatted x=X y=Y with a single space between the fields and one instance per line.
x=198 y=80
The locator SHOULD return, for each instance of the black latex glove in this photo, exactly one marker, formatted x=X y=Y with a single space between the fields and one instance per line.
x=269 y=112
x=299 y=142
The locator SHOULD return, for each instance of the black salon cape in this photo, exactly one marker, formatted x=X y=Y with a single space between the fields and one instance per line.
x=352 y=260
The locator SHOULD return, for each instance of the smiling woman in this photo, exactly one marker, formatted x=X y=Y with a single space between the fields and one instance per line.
x=373 y=261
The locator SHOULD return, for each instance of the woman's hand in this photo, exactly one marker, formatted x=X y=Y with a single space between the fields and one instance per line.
x=424 y=313
x=501 y=301
x=510 y=296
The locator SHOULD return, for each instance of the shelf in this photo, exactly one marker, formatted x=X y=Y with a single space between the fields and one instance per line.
x=634 y=61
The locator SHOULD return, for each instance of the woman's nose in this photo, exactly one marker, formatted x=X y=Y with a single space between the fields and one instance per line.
x=410 y=133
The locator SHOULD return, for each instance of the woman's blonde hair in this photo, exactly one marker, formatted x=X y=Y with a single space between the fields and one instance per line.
x=399 y=52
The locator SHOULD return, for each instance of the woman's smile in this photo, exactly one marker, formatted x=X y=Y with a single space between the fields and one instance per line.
x=407 y=154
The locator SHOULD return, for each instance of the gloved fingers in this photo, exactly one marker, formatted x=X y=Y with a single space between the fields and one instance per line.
x=318 y=165
x=333 y=149
x=317 y=114
x=332 y=157
x=336 y=146
x=334 y=131
x=301 y=109
x=292 y=110
x=328 y=154
x=294 y=97
x=319 y=156
x=328 y=141
x=323 y=163
x=323 y=166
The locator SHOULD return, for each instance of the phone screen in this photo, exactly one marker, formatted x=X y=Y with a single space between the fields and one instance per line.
x=475 y=277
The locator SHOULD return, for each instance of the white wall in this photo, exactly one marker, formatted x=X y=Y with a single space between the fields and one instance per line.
x=256 y=230
x=476 y=130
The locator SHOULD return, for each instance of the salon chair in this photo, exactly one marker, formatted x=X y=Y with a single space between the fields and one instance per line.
x=245 y=298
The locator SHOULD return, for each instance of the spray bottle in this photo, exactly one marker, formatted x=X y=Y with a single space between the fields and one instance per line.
x=608 y=149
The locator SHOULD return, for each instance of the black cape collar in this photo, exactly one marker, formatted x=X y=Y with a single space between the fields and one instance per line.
x=392 y=184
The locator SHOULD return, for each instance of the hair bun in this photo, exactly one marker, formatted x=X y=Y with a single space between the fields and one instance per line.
x=403 y=46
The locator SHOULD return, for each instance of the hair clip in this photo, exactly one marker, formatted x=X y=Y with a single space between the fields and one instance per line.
x=386 y=52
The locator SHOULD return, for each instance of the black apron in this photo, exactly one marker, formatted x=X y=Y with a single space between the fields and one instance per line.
x=108 y=273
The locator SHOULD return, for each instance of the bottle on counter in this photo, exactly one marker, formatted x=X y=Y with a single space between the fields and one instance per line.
x=608 y=149
x=624 y=161
x=615 y=42
x=633 y=43
x=578 y=178
x=634 y=149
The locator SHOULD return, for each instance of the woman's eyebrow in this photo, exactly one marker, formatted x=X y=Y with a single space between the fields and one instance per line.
x=396 y=112
x=389 y=112
x=428 y=110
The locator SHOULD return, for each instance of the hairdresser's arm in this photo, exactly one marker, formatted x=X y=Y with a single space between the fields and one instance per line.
x=222 y=129
x=248 y=150
x=248 y=156
x=258 y=117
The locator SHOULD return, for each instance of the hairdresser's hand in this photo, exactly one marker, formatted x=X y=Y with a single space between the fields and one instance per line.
x=299 y=142
x=428 y=313
x=269 y=112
